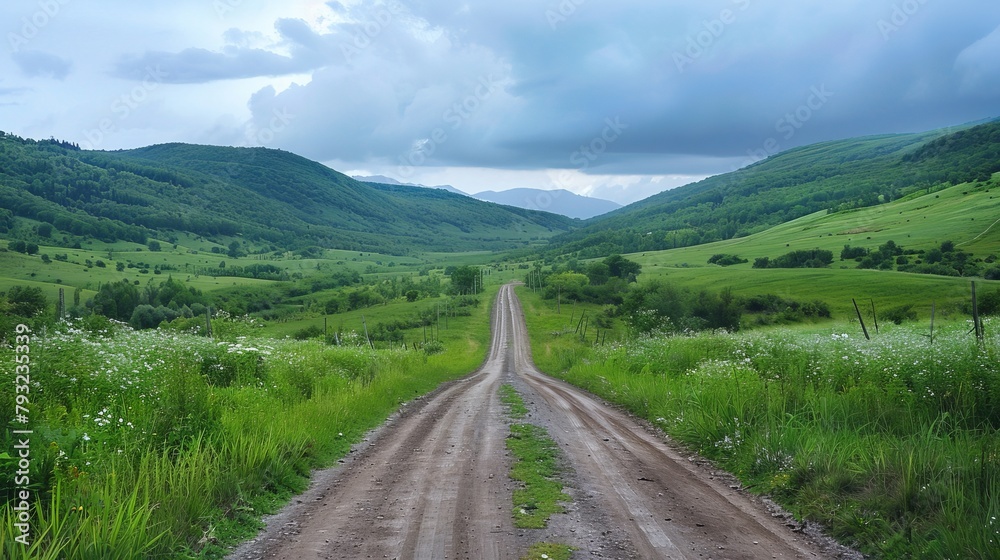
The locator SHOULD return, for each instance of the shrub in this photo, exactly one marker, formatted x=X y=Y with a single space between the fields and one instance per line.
x=900 y=314
x=726 y=260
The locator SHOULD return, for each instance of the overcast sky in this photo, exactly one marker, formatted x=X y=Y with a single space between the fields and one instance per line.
x=612 y=98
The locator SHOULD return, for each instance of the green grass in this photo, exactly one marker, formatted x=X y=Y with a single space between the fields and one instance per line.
x=891 y=443
x=559 y=344
x=158 y=444
x=513 y=401
x=962 y=214
x=535 y=468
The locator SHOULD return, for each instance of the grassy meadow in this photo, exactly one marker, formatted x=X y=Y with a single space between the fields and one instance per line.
x=155 y=443
x=892 y=443
x=964 y=214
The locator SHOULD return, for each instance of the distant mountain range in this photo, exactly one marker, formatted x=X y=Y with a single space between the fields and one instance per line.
x=559 y=201
x=383 y=180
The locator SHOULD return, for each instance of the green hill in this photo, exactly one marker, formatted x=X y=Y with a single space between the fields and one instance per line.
x=831 y=176
x=268 y=197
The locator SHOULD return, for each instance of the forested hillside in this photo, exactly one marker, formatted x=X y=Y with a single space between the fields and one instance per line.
x=265 y=196
x=833 y=176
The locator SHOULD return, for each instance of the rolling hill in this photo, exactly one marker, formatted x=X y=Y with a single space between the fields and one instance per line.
x=832 y=176
x=270 y=197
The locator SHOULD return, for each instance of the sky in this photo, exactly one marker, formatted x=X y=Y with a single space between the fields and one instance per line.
x=613 y=99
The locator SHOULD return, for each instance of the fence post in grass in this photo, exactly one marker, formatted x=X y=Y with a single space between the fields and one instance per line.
x=933 y=309
x=977 y=321
x=61 y=309
x=326 y=333
x=580 y=324
x=862 y=319
x=874 y=316
x=365 y=323
x=208 y=321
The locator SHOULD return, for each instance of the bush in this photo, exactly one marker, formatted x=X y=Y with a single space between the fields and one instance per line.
x=433 y=347
x=726 y=260
x=900 y=314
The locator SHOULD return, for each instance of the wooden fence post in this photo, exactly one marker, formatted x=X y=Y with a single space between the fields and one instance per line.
x=862 y=319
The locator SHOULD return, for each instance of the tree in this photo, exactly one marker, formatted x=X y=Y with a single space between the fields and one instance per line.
x=412 y=295
x=567 y=285
x=598 y=273
x=45 y=230
x=154 y=246
x=623 y=268
x=464 y=279
x=26 y=301
x=116 y=300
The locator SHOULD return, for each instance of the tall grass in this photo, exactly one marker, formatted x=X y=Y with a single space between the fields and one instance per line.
x=892 y=444
x=162 y=445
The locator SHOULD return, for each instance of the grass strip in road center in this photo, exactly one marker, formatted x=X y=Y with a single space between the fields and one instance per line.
x=535 y=467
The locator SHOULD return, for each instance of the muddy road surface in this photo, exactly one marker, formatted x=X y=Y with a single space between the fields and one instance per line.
x=432 y=483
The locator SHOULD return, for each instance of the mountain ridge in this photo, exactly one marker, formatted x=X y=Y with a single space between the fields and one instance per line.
x=269 y=197
x=832 y=176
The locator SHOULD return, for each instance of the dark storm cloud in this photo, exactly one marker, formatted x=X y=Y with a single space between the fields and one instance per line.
x=34 y=63
x=694 y=87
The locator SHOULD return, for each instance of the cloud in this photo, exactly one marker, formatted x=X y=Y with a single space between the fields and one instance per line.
x=41 y=64
x=404 y=86
x=979 y=66
x=747 y=86
x=199 y=65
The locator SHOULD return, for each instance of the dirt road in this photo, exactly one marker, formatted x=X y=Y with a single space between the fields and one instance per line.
x=432 y=483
